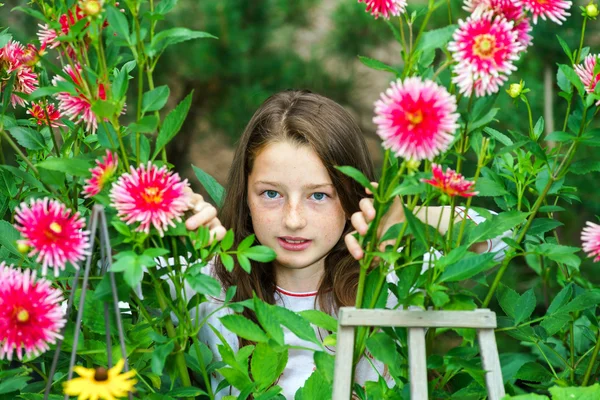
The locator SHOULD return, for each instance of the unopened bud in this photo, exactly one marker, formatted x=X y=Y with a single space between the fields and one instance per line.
x=91 y=8
x=515 y=89
x=591 y=10
x=22 y=247
x=412 y=166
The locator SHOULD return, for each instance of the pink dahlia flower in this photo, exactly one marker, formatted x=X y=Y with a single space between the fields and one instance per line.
x=45 y=112
x=450 y=182
x=509 y=9
x=484 y=47
x=101 y=174
x=554 y=10
x=585 y=72
x=31 y=317
x=48 y=35
x=78 y=107
x=150 y=196
x=590 y=238
x=11 y=61
x=416 y=119
x=53 y=233
x=385 y=8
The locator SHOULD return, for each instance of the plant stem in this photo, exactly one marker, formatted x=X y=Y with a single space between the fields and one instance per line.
x=590 y=367
x=572 y=351
x=531 y=134
x=578 y=54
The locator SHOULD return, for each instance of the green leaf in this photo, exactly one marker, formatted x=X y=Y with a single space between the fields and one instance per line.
x=325 y=364
x=563 y=83
x=260 y=253
x=172 y=123
x=204 y=284
x=436 y=38
x=236 y=378
x=489 y=188
x=130 y=264
x=104 y=108
x=417 y=227
x=579 y=393
x=159 y=356
x=268 y=320
x=164 y=6
x=146 y=124
x=26 y=177
x=189 y=391
x=320 y=319
x=565 y=47
x=297 y=324
x=13 y=384
x=227 y=240
x=542 y=225
x=584 y=167
x=212 y=187
x=118 y=22
x=572 y=76
x=28 y=138
x=315 y=387
x=587 y=299
x=377 y=65
x=155 y=99
x=559 y=253
x=244 y=263
x=227 y=261
x=559 y=136
x=171 y=36
x=502 y=138
x=357 y=175
x=533 y=372
x=496 y=226
x=525 y=306
x=267 y=365
x=561 y=299
x=383 y=348
x=9 y=236
x=508 y=299
x=468 y=267
x=120 y=84
x=244 y=328
x=72 y=166
x=530 y=396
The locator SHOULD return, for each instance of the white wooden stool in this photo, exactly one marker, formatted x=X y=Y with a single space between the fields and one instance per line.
x=483 y=320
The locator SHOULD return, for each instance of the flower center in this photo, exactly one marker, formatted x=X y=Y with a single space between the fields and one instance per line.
x=484 y=46
x=55 y=227
x=415 y=118
x=152 y=195
x=21 y=314
x=101 y=374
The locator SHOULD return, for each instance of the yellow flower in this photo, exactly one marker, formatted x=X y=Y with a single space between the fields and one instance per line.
x=100 y=384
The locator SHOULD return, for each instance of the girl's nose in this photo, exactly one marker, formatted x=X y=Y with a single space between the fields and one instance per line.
x=294 y=216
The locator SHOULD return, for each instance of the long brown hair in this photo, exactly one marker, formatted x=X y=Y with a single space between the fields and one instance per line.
x=303 y=118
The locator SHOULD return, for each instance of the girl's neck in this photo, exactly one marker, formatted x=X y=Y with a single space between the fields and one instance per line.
x=299 y=280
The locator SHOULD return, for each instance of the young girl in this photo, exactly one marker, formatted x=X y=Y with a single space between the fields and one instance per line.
x=283 y=188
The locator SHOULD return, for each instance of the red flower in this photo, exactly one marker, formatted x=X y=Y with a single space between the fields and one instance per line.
x=586 y=73
x=101 y=174
x=45 y=112
x=450 y=182
x=590 y=238
x=53 y=233
x=387 y=8
x=31 y=317
x=11 y=61
x=150 y=196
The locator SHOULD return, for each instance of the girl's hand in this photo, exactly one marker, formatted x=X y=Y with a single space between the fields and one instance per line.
x=205 y=214
x=360 y=221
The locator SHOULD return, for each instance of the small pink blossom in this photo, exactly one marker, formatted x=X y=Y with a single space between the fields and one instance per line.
x=590 y=239
x=585 y=72
x=101 y=174
x=31 y=317
x=53 y=233
x=151 y=196
x=11 y=61
x=385 y=8
x=450 y=182
x=509 y=9
x=416 y=118
x=554 y=10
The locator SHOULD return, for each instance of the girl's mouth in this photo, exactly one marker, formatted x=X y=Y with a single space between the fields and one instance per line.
x=293 y=243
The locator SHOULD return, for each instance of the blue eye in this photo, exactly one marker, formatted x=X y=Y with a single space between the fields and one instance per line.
x=271 y=194
x=319 y=196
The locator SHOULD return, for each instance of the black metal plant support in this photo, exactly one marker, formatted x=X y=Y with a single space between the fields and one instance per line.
x=97 y=220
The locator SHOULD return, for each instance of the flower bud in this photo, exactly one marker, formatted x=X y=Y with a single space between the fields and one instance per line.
x=412 y=166
x=515 y=89
x=91 y=8
x=22 y=247
x=591 y=10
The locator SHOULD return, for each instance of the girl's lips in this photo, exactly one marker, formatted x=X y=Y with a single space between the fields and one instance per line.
x=299 y=246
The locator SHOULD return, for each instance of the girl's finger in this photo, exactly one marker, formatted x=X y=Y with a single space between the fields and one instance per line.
x=366 y=206
x=217 y=233
x=353 y=247
x=375 y=185
x=359 y=223
x=201 y=218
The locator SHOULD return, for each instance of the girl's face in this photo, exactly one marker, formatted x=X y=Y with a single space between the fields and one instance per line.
x=294 y=207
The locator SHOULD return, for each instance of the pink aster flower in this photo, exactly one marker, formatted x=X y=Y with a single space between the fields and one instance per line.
x=53 y=233
x=484 y=47
x=150 y=195
x=590 y=239
x=585 y=72
x=101 y=174
x=31 y=317
x=554 y=10
x=450 y=182
x=43 y=113
x=385 y=8
x=78 y=107
x=11 y=61
x=509 y=9
x=416 y=118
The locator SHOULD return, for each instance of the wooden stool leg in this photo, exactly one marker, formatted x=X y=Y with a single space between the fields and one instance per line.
x=417 y=363
x=342 y=377
x=491 y=363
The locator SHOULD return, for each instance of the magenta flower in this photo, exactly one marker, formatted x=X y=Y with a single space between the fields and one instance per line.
x=47 y=35
x=509 y=9
x=31 y=317
x=11 y=61
x=416 y=119
x=53 y=233
x=450 y=182
x=554 y=10
x=101 y=174
x=78 y=107
x=585 y=72
x=45 y=112
x=385 y=8
x=484 y=48
x=590 y=239
x=150 y=196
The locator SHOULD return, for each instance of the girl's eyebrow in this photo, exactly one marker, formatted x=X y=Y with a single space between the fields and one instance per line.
x=313 y=186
